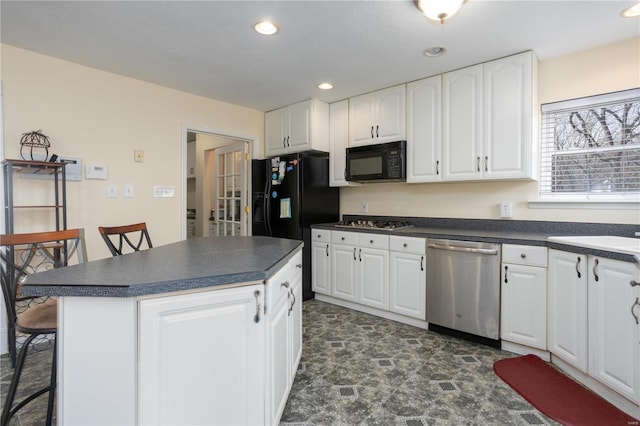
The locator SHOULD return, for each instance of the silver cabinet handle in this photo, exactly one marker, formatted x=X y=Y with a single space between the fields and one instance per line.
x=633 y=283
x=288 y=144
x=370 y=241
x=293 y=296
x=523 y=255
x=377 y=132
x=318 y=235
x=404 y=245
x=437 y=167
x=595 y=272
x=354 y=253
x=486 y=163
x=578 y=267
x=327 y=249
x=342 y=238
x=637 y=302
x=505 y=274
x=371 y=132
x=285 y=284
x=478 y=164
x=256 y=317
x=284 y=142
x=299 y=265
x=360 y=255
x=422 y=263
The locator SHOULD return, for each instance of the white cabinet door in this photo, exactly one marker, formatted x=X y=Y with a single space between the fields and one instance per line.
x=278 y=357
x=175 y=381
x=373 y=278
x=338 y=142
x=462 y=124
x=362 y=116
x=614 y=334
x=567 y=316
x=344 y=272
x=295 y=327
x=299 y=117
x=408 y=284
x=321 y=267
x=524 y=305
x=424 y=130
x=276 y=132
x=390 y=112
x=508 y=115
x=377 y=117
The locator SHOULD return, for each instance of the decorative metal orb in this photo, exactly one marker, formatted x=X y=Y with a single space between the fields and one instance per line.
x=34 y=140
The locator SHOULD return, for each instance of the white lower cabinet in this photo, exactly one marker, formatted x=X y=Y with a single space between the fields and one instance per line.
x=524 y=295
x=614 y=333
x=321 y=261
x=283 y=335
x=408 y=276
x=219 y=380
x=567 y=307
x=594 y=311
x=360 y=268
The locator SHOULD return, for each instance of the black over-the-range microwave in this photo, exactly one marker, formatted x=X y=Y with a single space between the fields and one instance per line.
x=376 y=163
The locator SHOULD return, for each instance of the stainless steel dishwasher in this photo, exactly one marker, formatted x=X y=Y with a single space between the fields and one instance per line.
x=463 y=287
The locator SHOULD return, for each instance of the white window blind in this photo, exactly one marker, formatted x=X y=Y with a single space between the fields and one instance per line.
x=590 y=148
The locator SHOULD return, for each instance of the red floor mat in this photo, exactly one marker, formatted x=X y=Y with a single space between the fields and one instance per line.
x=556 y=395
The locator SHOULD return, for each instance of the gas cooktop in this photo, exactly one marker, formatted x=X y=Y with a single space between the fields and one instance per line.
x=388 y=225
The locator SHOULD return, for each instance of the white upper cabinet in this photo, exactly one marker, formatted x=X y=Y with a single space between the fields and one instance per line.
x=377 y=117
x=296 y=128
x=489 y=120
x=338 y=141
x=424 y=99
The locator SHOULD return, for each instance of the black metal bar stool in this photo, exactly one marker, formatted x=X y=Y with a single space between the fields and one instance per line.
x=28 y=316
x=123 y=236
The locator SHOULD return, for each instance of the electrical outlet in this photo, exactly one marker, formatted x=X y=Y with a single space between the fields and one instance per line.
x=138 y=156
x=506 y=209
x=364 y=207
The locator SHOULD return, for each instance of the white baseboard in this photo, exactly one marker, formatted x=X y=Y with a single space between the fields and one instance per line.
x=517 y=348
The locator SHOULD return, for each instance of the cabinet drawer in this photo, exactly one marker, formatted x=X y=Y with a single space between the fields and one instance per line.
x=342 y=237
x=407 y=244
x=373 y=241
x=524 y=255
x=321 y=235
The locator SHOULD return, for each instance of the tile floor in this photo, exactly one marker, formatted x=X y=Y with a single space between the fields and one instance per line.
x=358 y=369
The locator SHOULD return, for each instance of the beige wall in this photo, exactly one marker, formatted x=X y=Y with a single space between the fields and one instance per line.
x=605 y=69
x=101 y=118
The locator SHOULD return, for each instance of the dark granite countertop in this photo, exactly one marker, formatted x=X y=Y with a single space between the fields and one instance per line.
x=533 y=233
x=191 y=264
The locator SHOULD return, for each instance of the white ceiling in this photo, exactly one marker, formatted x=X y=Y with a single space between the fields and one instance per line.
x=209 y=48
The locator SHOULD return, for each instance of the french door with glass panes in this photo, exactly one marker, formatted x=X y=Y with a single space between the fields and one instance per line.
x=231 y=190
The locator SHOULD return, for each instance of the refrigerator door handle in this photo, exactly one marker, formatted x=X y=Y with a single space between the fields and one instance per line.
x=267 y=206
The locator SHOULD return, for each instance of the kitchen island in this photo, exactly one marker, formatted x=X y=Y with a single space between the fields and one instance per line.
x=187 y=333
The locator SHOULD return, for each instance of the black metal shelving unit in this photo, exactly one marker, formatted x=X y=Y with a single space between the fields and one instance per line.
x=10 y=167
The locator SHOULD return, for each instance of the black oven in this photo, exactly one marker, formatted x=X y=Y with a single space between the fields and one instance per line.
x=381 y=162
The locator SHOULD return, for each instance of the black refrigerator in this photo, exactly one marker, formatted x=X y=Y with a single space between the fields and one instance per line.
x=289 y=194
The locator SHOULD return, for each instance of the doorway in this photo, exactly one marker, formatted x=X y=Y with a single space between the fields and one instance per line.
x=216 y=176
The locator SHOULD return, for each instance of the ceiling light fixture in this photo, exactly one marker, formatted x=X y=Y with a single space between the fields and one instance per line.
x=439 y=10
x=632 y=12
x=434 y=51
x=325 y=86
x=265 y=28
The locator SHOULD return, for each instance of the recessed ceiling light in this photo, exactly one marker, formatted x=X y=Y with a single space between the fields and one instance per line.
x=325 y=86
x=434 y=51
x=266 y=28
x=632 y=12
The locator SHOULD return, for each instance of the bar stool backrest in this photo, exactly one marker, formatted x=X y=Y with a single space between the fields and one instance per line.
x=129 y=238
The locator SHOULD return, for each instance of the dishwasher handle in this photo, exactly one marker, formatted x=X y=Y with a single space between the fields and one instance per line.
x=463 y=249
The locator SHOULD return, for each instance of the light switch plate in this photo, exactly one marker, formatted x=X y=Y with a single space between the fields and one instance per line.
x=506 y=209
x=163 y=191
x=112 y=190
x=127 y=190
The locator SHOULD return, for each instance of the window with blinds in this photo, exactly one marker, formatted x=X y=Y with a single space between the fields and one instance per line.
x=590 y=148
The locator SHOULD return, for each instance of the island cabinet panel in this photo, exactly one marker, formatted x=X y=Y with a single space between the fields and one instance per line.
x=201 y=358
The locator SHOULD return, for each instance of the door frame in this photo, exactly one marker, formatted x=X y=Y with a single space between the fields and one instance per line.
x=252 y=147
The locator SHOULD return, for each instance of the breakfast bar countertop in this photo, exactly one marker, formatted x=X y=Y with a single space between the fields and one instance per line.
x=185 y=265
